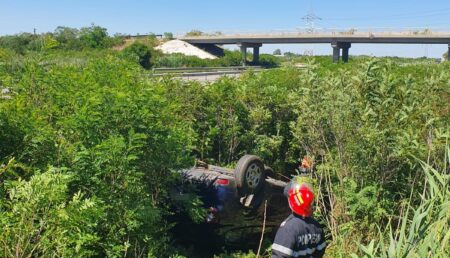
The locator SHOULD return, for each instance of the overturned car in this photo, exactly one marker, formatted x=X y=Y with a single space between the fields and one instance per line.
x=238 y=200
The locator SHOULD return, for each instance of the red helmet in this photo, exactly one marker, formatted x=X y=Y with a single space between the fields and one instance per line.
x=300 y=196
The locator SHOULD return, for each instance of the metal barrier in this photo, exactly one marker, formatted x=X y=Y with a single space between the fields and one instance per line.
x=196 y=69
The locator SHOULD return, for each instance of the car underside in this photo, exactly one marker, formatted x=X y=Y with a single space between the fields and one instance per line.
x=239 y=202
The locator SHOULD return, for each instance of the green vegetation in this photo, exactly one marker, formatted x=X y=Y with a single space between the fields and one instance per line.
x=179 y=60
x=138 y=53
x=168 y=35
x=70 y=45
x=89 y=145
x=231 y=58
x=194 y=33
x=112 y=140
x=93 y=37
x=424 y=231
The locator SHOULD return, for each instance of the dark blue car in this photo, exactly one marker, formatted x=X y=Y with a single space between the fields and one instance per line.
x=237 y=200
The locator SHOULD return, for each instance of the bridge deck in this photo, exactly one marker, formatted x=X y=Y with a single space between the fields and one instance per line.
x=340 y=41
x=384 y=38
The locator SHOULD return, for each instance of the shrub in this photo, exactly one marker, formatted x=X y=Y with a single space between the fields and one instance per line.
x=118 y=138
x=18 y=43
x=139 y=53
x=194 y=33
x=40 y=218
x=168 y=35
x=67 y=37
x=94 y=37
x=422 y=231
x=268 y=61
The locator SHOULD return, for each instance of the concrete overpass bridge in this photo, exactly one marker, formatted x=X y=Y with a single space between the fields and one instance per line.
x=339 y=41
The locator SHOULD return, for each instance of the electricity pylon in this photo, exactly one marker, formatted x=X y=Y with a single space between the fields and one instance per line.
x=311 y=19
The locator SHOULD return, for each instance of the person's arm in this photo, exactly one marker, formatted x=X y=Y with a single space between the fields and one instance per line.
x=284 y=243
x=321 y=246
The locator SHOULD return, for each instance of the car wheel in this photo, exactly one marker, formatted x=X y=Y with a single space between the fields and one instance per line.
x=249 y=175
x=269 y=171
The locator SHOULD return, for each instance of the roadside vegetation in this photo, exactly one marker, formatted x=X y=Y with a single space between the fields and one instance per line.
x=71 y=45
x=90 y=146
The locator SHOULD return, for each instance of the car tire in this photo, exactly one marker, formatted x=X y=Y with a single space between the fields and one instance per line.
x=269 y=171
x=250 y=175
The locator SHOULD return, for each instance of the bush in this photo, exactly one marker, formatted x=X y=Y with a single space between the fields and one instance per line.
x=139 y=53
x=180 y=60
x=231 y=58
x=268 y=61
x=194 y=33
x=94 y=37
x=18 y=43
x=168 y=35
x=118 y=139
x=422 y=231
x=40 y=218
x=67 y=37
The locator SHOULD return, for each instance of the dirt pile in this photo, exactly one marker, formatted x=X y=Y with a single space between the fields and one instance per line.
x=179 y=46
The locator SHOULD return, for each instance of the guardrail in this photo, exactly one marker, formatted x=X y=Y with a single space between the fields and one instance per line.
x=204 y=73
x=193 y=74
x=204 y=69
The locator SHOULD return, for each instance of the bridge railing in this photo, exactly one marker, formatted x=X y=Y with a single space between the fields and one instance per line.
x=420 y=31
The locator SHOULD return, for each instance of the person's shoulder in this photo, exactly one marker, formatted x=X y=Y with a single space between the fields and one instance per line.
x=287 y=221
x=298 y=222
x=294 y=223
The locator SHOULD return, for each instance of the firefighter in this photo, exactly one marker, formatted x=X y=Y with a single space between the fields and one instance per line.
x=300 y=235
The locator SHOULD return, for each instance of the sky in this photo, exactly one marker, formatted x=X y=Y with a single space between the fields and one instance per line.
x=237 y=16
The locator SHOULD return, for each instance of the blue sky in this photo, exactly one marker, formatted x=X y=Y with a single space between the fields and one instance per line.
x=177 y=16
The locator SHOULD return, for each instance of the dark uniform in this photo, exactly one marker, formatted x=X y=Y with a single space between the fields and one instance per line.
x=299 y=237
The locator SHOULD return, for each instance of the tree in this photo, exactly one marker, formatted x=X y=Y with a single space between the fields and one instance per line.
x=18 y=43
x=194 y=33
x=277 y=52
x=94 y=37
x=168 y=35
x=67 y=37
x=43 y=42
x=290 y=54
x=139 y=53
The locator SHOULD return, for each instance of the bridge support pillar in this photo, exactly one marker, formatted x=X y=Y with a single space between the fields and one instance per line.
x=337 y=46
x=448 y=53
x=345 y=47
x=244 y=55
x=336 y=54
x=255 y=55
x=255 y=47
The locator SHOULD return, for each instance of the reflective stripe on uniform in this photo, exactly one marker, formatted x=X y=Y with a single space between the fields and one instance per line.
x=282 y=249
x=304 y=252
x=288 y=251
x=309 y=250
x=321 y=246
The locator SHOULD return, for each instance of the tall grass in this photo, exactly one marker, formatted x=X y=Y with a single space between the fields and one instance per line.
x=423 y=231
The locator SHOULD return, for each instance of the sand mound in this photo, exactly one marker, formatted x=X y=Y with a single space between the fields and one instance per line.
x=179 y=46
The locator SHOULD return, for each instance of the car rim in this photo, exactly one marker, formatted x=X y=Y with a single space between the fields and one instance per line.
x=253 y=175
